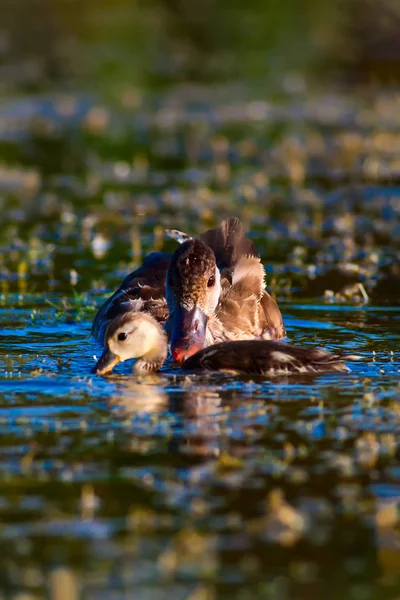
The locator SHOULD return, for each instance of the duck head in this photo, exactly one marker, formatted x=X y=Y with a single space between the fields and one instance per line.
x=193 y=290
x=133 y=335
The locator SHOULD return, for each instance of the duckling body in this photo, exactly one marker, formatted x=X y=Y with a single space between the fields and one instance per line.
x=262 y=357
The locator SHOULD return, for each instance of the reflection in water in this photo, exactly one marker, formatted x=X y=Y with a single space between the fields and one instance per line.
x=204 y=487
x=202 y=415
x=199 y=411
x=63 y=584
x=147 y=397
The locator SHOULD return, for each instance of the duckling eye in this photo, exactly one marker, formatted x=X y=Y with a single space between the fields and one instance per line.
x=122 y=336
x=211 y=281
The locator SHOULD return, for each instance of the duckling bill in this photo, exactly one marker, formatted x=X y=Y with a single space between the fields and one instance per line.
x=107 y=361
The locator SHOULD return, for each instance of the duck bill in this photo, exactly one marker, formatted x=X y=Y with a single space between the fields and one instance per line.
x=106 y=362
x=188 y=332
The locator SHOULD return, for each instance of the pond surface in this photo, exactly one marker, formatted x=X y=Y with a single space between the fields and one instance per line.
x=191 y=486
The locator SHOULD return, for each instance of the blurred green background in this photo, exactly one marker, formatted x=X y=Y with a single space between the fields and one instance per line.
x=102 y=46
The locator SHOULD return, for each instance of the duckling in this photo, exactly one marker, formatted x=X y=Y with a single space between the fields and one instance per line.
x=133 y=335
x=138 y=335
x=216 y=292
x=264 y=357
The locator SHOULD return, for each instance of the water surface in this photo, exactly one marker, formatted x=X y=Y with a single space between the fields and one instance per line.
x=187 y=485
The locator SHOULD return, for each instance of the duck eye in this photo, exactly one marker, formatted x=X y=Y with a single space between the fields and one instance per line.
x=122 y=336
x=211 y=281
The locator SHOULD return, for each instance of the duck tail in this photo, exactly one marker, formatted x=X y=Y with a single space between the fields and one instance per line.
x=281 y=359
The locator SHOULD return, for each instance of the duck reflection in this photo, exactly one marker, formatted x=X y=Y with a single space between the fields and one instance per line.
x=198 y=419
x=196 y=412
x=202 y=419
x=136 y=397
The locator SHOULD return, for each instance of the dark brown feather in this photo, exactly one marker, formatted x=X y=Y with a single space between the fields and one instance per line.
x=260 y=357
x=229 y=243
x=143 y=290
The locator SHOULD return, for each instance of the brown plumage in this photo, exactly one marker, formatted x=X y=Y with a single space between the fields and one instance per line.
x=229 y=244
x=246 y=300
x=143 y=290
x=260 y=357
x=192 y=265
x=245 y=309
x=212 y=287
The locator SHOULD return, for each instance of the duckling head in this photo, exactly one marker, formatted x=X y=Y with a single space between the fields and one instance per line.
x=193 y=290
x=133 y=335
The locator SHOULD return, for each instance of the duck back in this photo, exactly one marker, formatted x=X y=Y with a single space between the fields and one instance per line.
x=143 y=290
x=260 y=357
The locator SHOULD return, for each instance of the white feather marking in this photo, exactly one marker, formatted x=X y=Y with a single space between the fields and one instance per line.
x=178 y=236
x=282 y=357
x=353 y=357
x=287 y=370
x=136 y=305
x=211 y=353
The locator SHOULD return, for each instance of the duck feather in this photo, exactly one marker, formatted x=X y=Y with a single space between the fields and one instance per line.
x=143 y=290
x=259 y=357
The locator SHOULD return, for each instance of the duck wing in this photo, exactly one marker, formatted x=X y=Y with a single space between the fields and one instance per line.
x=237 y=314
x=270 y=317
x=264 y=358
x=245 y=309
x=229 y=243
x=142 y=290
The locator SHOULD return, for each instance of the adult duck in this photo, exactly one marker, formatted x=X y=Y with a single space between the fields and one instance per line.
x=216 y=292
x=140 y=336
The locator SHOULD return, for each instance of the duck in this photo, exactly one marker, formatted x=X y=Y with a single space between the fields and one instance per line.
x=211 y=289
x=264 y=357
x=216 y=292
x=138 y=335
